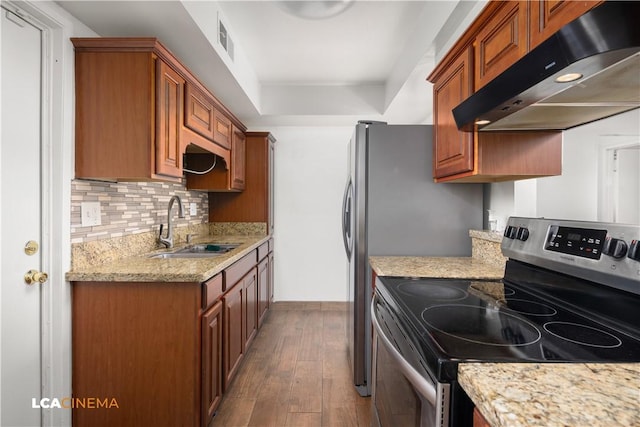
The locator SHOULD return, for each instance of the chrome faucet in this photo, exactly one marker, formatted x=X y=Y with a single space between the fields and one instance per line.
x=168 y=241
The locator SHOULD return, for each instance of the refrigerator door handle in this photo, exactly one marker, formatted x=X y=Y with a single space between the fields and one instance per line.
x=346 y=217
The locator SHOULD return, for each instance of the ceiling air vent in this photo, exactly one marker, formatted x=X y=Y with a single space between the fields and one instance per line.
x=225 y=39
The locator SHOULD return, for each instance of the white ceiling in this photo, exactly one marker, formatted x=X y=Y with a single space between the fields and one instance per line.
x=370 y=62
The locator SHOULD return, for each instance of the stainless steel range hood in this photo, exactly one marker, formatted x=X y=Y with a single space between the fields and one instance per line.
x=603 y=46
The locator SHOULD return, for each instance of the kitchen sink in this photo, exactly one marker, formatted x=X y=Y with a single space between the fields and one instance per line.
x=204 y=250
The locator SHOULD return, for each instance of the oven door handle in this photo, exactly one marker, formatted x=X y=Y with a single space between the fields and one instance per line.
x=425 y=388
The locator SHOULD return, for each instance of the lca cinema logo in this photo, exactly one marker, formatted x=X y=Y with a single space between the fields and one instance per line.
x=75 y=403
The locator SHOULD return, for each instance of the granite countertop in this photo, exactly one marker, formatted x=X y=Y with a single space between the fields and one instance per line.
x=142 y=268
x=437 y=267
x=554 y=394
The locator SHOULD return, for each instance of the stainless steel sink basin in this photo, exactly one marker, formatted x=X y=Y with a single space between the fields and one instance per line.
x=208 y=248
x=185 y=255
x=204 y=250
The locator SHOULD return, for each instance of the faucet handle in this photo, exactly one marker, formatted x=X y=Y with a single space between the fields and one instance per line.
x=161 y=227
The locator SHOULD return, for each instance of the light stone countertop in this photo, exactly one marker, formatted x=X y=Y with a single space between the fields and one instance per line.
x=142 y=268
x=554 y=394
x=436 y=267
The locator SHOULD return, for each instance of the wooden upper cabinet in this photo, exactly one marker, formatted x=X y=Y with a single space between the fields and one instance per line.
x=549 y=16
x=238 y=160
x=169 y=97
x=452 y=149
x=222 y=131
x=128 y=107
x=199 y=112
x=501 y=41
x=139 y=109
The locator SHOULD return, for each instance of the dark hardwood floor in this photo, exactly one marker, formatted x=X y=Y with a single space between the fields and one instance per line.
x=296 y=373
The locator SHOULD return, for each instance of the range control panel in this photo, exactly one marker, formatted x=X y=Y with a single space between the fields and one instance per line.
x=605 y=253
x=582 y=242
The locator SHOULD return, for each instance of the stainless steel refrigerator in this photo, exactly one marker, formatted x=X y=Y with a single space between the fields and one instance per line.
x=391 y=206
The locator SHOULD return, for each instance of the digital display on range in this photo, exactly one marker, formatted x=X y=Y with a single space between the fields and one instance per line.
x=584 y=242
x=574 y=237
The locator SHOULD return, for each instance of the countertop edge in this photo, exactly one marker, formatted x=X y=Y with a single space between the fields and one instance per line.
x=165 y=271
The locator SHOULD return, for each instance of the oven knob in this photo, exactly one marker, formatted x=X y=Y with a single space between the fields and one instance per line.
x=634 y=250
x=616 y=248
x=523 y=233
x=510 y=232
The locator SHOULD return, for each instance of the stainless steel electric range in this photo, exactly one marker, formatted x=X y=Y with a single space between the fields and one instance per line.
x=570 y=293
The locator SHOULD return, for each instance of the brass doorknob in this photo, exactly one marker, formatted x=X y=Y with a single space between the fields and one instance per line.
x=33 y=276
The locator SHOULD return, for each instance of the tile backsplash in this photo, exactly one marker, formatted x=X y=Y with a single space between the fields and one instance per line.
x=132 y=207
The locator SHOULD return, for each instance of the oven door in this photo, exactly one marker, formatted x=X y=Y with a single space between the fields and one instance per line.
x=401 y=395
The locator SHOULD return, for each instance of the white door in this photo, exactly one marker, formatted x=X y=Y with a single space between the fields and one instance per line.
x=619 y=182
x=627 y=184
x=20 y=219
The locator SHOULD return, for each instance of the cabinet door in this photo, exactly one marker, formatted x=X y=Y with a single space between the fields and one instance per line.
x=452 y=150
x=221 y=129
x=198 y=114
x=548 y=16
x=271 y=282
x=170 y=97
x=233 y=317
x=501 y=42
x=211 y=361
x=238 y=159
x=271 y=186
x=263 y=289
x=251 y=312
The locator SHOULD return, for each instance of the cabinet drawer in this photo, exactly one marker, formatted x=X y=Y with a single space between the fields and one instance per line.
x=263 y=250
x=238 y=269
x=211 y=290
x=221 y=129
x=198 y=112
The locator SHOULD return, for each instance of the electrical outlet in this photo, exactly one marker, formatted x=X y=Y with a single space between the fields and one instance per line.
x=193 y=209
x=90 y=213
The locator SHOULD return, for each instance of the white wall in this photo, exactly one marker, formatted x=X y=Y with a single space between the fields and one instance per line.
x=310 y=175
x=574 y=194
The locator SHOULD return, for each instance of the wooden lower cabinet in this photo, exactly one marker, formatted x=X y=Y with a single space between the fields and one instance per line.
x=160 y=353
x=250 y=283
x=479 y=420
x=212 y=334
x=263 y=289
x=271 y=278
x=137 y=343
x=234 y=308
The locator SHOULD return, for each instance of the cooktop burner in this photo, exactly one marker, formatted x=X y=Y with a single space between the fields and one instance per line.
x=582 y=334
x=480 y=325
x=529 y=307
x=508 y=291
x=435 y=291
